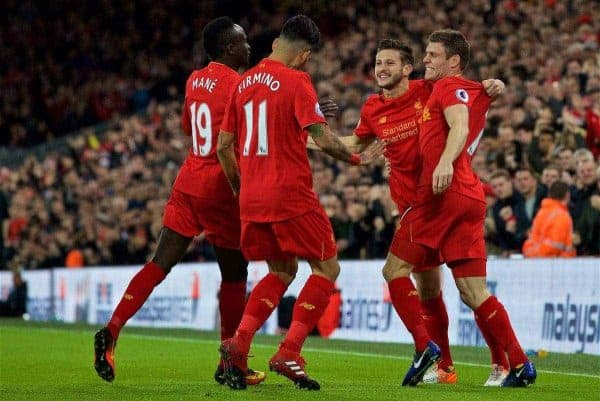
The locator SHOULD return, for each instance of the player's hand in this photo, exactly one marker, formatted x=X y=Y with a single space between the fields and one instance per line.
x=493 y=87
x=328 y=107
x=442 y=177
x=373 y=152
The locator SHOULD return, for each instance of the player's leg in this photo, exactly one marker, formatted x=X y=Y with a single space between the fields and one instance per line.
x=309 y=236
x=469 y=275
x=263 y=299
x=232 y=300
x=308 y=309
x=464 y=252
x=170 y=249
x=435 y=315
x=403 y=256
x=405 y=300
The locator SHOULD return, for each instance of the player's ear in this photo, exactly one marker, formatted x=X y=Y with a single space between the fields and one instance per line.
x=407 y=69
x=454 y=61
x=275 y=44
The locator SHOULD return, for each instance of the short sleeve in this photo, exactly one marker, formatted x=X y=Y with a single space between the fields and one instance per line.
x=363 y=130
x=306 y=104
x=450 y=95
x=229 y=123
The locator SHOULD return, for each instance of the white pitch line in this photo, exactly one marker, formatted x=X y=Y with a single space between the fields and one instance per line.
x=338 y=352
x=308 y=349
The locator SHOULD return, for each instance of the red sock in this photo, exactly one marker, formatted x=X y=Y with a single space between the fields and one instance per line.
x=435 y=318
x=139 y=289
x=263 y=300
x=497 y=353
x=406 y=302
x=232 y=299
x=308 y=309
x=492 y=314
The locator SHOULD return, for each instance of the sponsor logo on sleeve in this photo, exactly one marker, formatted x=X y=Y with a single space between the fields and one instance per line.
x=462 y=95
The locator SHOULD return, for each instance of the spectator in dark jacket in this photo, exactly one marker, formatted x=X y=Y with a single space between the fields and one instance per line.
x=16 y=303
x=533 y=193
x=509 y=213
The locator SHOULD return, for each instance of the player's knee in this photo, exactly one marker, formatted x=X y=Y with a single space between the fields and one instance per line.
x=287 y=277
x=395 y=269
x=329 y=268
x=428 y=291
x=165 y=265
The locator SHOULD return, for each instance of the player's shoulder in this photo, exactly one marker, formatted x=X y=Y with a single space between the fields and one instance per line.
x=454 y=82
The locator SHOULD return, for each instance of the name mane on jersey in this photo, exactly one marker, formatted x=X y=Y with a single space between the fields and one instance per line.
x=205 y=83
x=262 y=78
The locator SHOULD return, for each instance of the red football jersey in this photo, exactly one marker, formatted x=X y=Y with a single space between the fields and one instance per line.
x=396 y=121
x=269 y=110
x=433 y=133
x=207 y=92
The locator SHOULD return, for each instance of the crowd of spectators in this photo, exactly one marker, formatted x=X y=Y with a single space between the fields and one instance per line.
x=101 y=200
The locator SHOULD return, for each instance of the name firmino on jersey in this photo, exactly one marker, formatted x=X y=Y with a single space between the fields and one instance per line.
x=259 y=78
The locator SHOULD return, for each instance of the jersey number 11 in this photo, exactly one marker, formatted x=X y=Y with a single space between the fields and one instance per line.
x=263 y=143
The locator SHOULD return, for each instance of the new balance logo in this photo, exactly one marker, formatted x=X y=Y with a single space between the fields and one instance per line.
x=128 y=297
x=413 y=294
x=307 y=306
x=382 y=120
x=268 y=302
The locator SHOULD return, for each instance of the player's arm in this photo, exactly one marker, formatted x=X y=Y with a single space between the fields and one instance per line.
x=493 y=87
x=226 y=155
x=457 y=118
x=329 y=143
x=352 y=142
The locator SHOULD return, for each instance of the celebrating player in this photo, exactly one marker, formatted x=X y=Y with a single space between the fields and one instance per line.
x=392 y=116
x=201 y=201
x=446 y=222
x=272 y=111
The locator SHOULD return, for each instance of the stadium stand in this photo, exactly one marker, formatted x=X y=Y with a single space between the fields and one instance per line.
x=113 y=75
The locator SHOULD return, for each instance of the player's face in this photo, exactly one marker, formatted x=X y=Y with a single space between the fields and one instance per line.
x=437 y=66
x=388 y=68
x=239 y=46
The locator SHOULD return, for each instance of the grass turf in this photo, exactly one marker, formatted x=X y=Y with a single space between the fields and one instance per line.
x=50 y=361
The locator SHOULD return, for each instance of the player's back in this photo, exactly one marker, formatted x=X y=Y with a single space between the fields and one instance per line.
x=271 y=106
x=206 y=94
x=433 y=134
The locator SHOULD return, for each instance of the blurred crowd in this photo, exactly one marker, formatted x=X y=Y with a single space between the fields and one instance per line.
x=100 y=201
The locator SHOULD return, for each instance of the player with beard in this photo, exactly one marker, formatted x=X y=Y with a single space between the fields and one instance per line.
x=392 y=116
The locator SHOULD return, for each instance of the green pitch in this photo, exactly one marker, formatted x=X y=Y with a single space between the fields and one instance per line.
x=54 y=362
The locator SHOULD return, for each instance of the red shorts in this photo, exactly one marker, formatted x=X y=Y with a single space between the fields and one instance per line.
x=219 y=219
x=308 y=236
x=447 y=228
x=430 y=261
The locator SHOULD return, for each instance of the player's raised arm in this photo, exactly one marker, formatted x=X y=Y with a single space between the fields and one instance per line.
x=329 y=143
x=457 y=117
x=226 y=155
